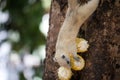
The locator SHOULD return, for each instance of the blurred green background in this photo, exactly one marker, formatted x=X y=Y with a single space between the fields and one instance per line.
x=23 y=27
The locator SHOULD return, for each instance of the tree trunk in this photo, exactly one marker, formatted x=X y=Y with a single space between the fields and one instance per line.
x=102 y=30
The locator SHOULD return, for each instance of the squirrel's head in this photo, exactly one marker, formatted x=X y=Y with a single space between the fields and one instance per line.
x=63 y=59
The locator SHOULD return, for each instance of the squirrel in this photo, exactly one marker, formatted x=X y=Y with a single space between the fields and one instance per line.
x=78 y=12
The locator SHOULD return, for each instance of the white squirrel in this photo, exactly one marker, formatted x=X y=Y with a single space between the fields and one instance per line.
x=75 y=17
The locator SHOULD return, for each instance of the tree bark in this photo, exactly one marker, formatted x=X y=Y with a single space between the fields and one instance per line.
x=102 y=30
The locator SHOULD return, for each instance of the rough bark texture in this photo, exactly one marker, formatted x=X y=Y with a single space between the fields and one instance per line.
x=102 y=30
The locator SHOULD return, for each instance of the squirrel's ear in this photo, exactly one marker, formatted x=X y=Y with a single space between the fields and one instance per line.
x=54 y=59
x=64 y=73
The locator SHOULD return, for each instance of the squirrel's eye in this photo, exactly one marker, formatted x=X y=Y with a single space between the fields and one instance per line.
x=68 y=62
x=63 y=56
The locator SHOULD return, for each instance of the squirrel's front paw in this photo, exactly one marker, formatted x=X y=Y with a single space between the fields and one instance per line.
x=77 y=63
x=82 y=45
